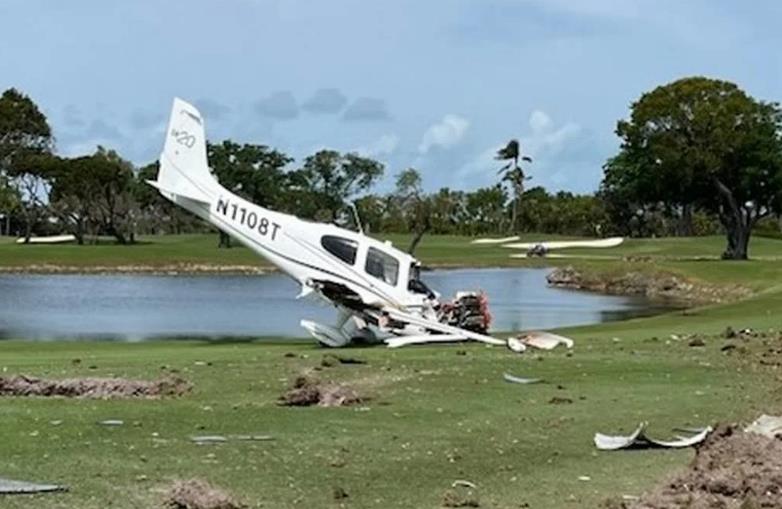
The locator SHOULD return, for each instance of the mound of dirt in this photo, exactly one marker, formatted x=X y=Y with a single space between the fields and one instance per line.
x=330 y=360
x=197 y=494
x=460 y=498
x=308 y=392
x=98 y=388
x=731 y=470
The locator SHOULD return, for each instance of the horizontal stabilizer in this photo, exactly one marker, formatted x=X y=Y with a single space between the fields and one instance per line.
x=171 y=191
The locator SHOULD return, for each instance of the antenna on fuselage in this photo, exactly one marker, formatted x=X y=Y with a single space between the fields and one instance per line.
x=356 y=218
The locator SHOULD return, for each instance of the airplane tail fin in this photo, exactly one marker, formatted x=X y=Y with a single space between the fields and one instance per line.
x=183 y=166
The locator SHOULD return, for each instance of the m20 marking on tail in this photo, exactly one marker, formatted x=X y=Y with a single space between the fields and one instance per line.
x=248 y=218
x=183 y=138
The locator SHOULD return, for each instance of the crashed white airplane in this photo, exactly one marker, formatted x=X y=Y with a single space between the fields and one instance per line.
x=375 y=287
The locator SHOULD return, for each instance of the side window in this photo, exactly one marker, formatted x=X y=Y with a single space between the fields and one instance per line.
x=382 y=266
x=344 y=249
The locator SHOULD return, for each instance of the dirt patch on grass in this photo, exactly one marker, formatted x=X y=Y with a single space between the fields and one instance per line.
x=460 y=498
x=330 y=360
x=307 y=391
x=655 y=285
x=97 y=388
x=197 y=494
x=731 y=470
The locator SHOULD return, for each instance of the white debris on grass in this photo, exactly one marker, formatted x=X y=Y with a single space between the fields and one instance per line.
x=638 y=439
x=520 y=380
x=12 y=487
x=766 y=425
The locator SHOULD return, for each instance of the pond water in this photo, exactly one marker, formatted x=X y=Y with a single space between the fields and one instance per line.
x=136 y=307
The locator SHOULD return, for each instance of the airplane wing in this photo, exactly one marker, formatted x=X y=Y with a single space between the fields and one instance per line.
x=454 y=333
x=397 y=341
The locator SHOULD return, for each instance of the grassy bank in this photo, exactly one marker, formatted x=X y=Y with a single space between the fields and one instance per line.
x=201 y=249
x=434 y=414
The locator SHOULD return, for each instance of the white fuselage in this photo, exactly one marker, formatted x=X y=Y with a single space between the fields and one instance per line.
x=295 y=247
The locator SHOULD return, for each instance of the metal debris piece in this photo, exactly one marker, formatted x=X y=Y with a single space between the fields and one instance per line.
x=11 y=487
x=516 y=345
x=219 y=439
x=111 y=422
x=256 y=438
x=544 y=340
x=638 y=439
x=209 y=439
x=766 y=425
x=463 y=483
x=520 y=380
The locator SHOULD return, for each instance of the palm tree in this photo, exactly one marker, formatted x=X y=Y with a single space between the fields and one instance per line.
x=514 y=174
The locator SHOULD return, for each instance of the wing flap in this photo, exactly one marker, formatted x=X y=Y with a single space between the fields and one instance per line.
x=441 y=327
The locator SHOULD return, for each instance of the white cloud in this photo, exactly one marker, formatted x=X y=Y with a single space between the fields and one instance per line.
x=545 y=142
x=444 y=134
x=383 y=146
x=539 y=121
x=546 y=139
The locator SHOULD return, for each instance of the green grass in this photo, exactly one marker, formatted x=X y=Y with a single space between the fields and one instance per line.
x=149 y=251
x=435 y=249
x=164 y=250
x=434 y=416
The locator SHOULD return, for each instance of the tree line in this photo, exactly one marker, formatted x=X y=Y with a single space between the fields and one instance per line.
x=697 y=156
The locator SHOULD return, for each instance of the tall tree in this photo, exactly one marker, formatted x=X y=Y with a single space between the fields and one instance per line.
x=447 y=210
x=112 y=179
x=254 y=172
x=485 y=208
x=414 y=205
x=9 y=201
x=71 y=195
x=706 y=143
x=513 y=173
x=93 y=194
x=24 y=133
x=372 y=210
x=329 y=179
x=156 y=213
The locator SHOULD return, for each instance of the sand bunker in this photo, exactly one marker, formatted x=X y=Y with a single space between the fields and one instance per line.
x=308 y=392
x=731 y=470
x=197 y=494
x=98 y=388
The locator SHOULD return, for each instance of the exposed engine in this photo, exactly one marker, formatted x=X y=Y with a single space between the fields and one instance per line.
x=468 y=310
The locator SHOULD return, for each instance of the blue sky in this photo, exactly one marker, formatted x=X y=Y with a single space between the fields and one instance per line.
x=437 y=85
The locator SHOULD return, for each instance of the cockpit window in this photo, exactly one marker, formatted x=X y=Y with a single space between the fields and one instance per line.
x=344 y=249
x=382 y=266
